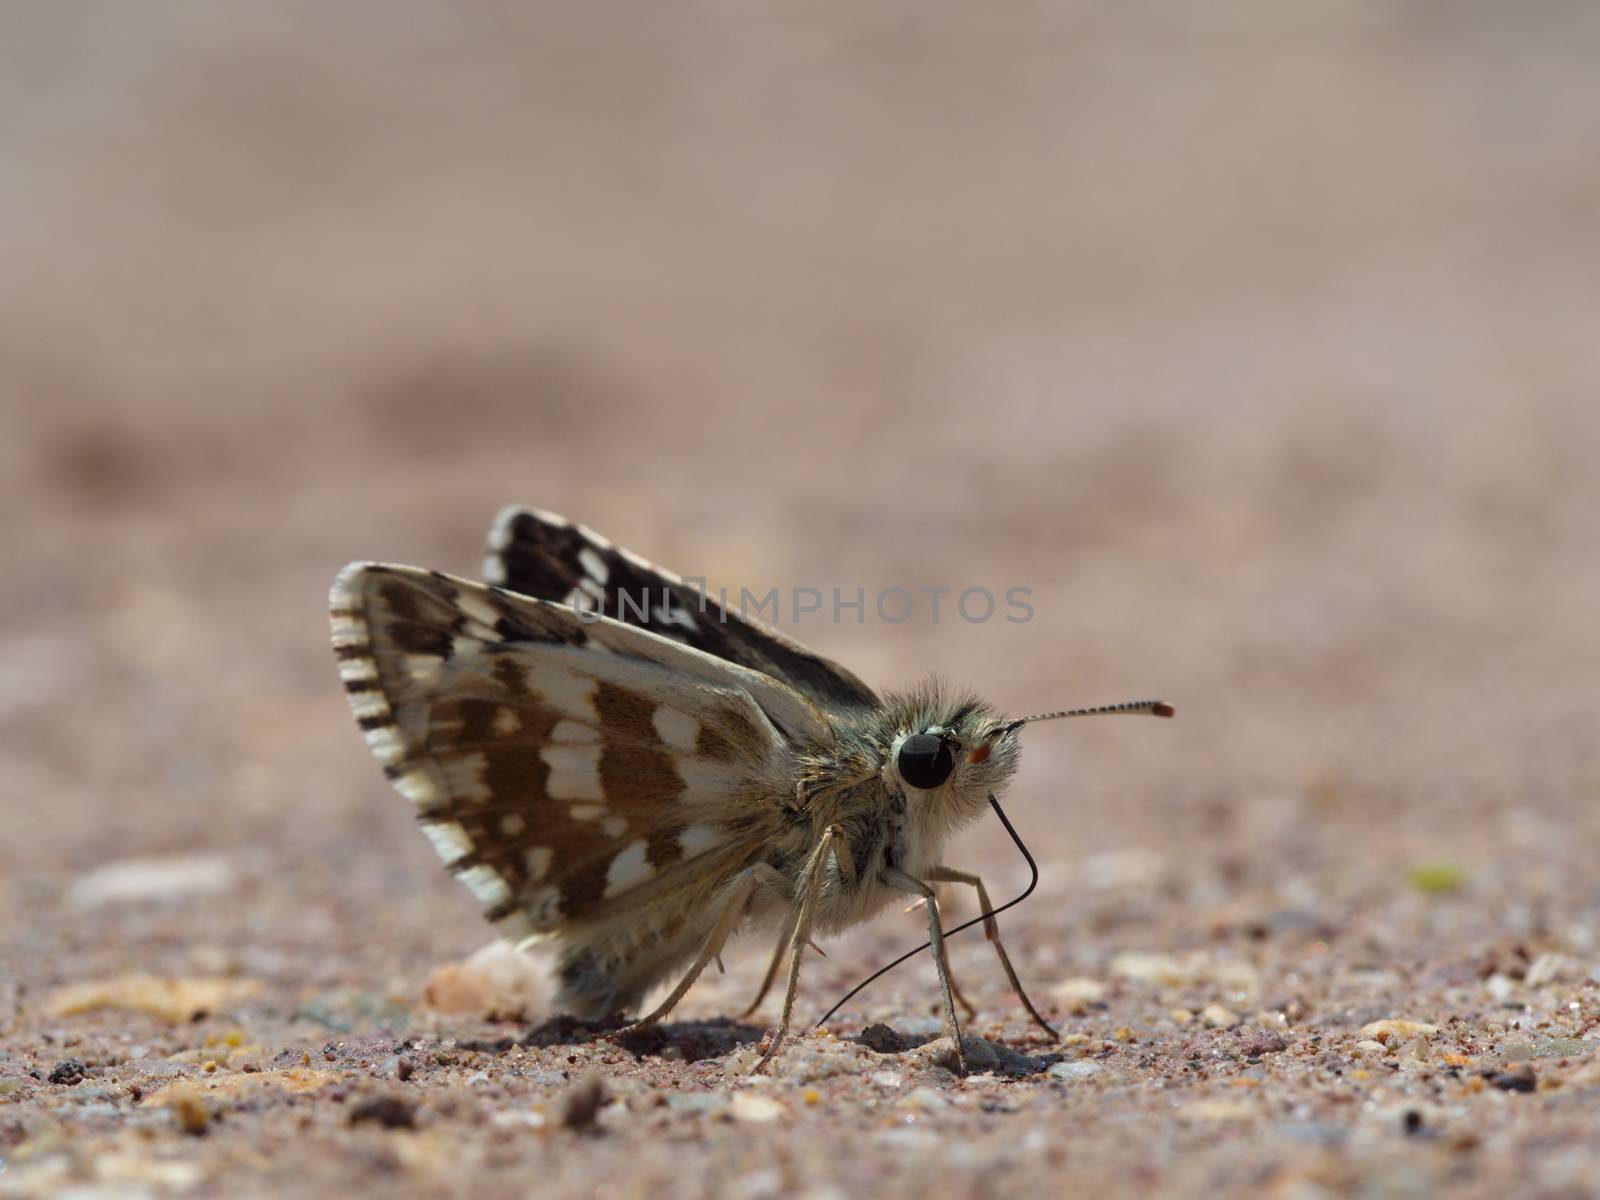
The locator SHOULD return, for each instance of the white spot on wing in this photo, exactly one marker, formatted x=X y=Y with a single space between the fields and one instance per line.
x=707 y=779
x=418 y=788
x=448 y=838
x=500 y=531
x=698 y=838
x=478 y=610
x=358 y=670
x=368 y=704
x=586 y=812
x=594 y=565
x=424 y=668
x=537 y=860
x=386 y=745
x=567 y=732
x=564 y=690
x=672 y=613
x=629 y=868
x=463 y=776
x=574 y=772
x=614 y=826
x=677 y=730
x=348 y=630
x=486 y=885
x=506 y=722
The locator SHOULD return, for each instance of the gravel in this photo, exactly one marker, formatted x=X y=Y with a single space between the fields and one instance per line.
x=1260 y=347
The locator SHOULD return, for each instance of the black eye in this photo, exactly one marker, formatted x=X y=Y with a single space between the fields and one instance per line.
x=925 y=760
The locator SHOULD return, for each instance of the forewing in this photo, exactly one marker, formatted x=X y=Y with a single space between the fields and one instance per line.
x=554 y=763
x=540 y=554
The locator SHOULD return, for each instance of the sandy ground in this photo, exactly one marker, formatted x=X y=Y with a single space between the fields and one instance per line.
x=1260 y=345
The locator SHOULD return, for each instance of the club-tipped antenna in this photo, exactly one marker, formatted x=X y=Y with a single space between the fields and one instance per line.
x=1150 y=708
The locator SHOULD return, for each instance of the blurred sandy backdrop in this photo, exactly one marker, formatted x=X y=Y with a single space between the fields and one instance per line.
x=1259 y=340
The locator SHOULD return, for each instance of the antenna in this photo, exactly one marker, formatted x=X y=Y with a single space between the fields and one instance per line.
x=1151 y=708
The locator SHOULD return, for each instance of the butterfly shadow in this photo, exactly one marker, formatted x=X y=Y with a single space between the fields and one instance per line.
x=685 y=1041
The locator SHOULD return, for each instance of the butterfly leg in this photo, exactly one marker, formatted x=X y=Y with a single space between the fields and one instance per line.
x=744 y=886
x=966 y=1005
x=910 y=883
x=805 y=914
x=778 y=952
x=991 y=930
x=955 y=988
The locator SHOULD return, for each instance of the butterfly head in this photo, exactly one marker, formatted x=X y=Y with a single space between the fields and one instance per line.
x=947 y=756
x=954 y=754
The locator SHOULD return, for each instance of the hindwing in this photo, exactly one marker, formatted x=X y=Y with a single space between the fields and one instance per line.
x=541 y=554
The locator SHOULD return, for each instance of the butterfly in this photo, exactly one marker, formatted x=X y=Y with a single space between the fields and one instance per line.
x=617 y=765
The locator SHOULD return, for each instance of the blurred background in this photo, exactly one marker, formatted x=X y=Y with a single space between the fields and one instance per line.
x=1258 y=340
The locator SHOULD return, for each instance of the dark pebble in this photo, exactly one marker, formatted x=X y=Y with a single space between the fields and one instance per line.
x=1256 y=1042
x=585 y=1099
x=69 y=1070
x=882 y=1039
x=1520 y=1080
x=389 y=1111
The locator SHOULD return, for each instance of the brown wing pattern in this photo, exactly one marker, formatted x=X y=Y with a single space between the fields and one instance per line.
x=555 y=764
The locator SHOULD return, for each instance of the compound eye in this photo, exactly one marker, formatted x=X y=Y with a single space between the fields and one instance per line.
x=925 y=760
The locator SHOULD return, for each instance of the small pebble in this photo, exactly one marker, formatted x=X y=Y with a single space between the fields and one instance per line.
x=1500 y=988
x=189 y=1106
x=1077 y=1069
x=1217 y=1017
x=1394 y=1032
x=130 y=880
x=705 y=1102
x=1550 y=968
x=755 y=1108
x=1078 y=994
x=1160 y=969
x=1415 y=1052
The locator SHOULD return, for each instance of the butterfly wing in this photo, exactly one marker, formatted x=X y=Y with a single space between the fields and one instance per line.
x=558 y=764
x=540 y=554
